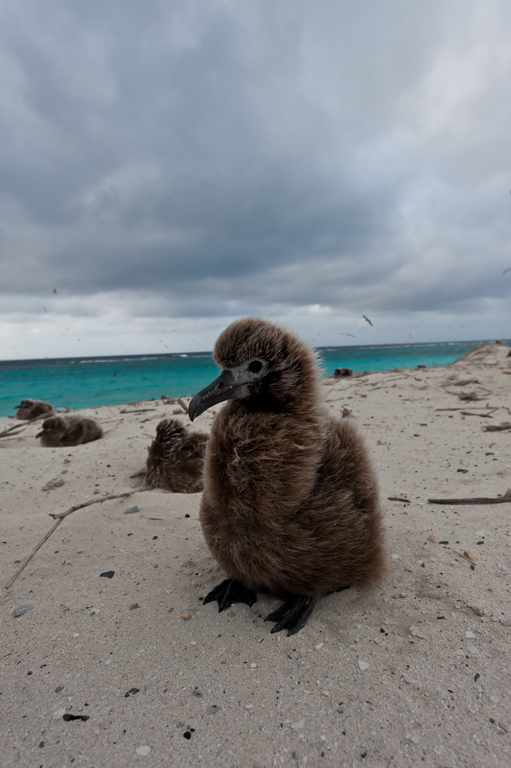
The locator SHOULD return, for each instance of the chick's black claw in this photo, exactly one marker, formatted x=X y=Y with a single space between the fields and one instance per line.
x=228 y=592
x=293 y=614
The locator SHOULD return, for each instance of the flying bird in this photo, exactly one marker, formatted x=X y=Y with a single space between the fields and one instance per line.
x=367 y=319
x=506 y=270
x=176 y=458
x=59 y=431
x=290 y=503
x=31 y=409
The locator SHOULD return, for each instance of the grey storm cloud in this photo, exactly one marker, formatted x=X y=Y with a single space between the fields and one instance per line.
x=194 y=154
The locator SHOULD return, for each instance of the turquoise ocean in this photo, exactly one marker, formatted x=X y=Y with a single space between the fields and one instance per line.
x=85 y=382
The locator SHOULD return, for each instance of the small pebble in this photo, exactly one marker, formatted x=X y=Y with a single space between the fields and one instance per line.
x=55 y=483
x=253 y=666
x=298 y=725
x=133 y=606
x=212 y=709
x=108 y=662
x=129 y=511
x=318 y=646
x=433 y=539
x=469 y=634
x=143 y=751
x=186 y=616
x=506 y=623
x=363 y=665
x=58 y=714
x=19 y=610
x=107 y=574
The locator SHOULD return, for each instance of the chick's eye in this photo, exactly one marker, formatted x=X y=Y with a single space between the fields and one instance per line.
x=255 y=366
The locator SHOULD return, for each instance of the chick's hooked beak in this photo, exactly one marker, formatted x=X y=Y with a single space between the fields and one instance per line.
x=225 y=387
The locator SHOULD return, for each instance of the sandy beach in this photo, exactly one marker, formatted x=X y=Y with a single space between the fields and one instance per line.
x=415 y=671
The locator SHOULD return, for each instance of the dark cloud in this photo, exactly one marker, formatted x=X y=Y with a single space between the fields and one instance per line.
x=208 y=160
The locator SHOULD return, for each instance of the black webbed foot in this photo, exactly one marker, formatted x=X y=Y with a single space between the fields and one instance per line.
x=228 y=592
x=293 y=614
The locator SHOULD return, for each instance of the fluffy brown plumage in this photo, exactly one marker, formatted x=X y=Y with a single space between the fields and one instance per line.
x=68 y=430
x=30 y=409
x=290 y=501
x=176 y=458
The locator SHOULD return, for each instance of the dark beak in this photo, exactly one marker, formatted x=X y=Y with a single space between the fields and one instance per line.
x=222 y=388
x=40 y=433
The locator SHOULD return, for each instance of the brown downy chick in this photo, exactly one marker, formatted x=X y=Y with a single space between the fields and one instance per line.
x=290 y=501
x=30 y=409
x=58 y=431
x=176 y=458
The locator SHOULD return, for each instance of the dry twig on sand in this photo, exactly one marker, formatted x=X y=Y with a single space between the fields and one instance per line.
x=22 y=426
x=481 y=500
x=59 y=517
x=492 y=428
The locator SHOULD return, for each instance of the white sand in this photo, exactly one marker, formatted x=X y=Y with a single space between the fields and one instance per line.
x=382 y=676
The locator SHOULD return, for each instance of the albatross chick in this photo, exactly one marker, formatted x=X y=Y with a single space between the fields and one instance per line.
x=176 y=458
x=68 y=430
x=31 y=409
x=290 y=501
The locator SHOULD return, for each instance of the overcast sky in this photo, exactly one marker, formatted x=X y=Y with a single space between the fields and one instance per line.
x=169 y=166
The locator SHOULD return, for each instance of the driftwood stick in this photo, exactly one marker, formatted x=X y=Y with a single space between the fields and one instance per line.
x=398 y=498
x=491 y=428
x=59 y=517
x=22 y=426
x=482 y=500
x=182 y=404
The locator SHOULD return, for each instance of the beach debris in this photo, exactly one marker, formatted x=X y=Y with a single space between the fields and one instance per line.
x=60 y=431
x=59 y=517
x=467 y=554
x=132 y=509
x=298 y=725
x=57 y=482
x=107 y=574
x=478 y=500
x=131 y=692
x=143 y=751
x=363 y=665
x=469 y=396
x=213 y=709
x=496 y=428
x=399 y=498
x=68 y=716
x=197 y=692
x=415 y=632
x=19 y=610
x=133 y=606
x=433 y=539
